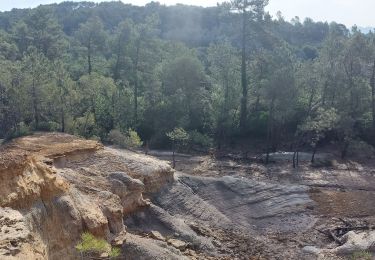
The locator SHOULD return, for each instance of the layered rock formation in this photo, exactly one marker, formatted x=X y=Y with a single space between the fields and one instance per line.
x=53 y=187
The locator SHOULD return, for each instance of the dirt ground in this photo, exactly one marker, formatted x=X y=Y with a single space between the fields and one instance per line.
x=210 y=207
x=344 y=190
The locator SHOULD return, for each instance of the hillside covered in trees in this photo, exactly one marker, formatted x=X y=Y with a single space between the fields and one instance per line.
x=223 y=74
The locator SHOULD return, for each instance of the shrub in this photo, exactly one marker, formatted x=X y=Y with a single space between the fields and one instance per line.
x=116 y=137
x=128 y=140
x=20 y=130
x=83 y=126
x=196 y=139
x=362 y=255
x=361 y=149
x=178 y=136
x=133 y=139
x=92 y=246
x=49 y=126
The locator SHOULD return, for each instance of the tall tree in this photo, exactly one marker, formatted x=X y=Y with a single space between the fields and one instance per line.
x=249 y=10
x=44 y=33
x=142 y=53
x=121 y=42
x=91 y=35
x=224 y=68
x=37 y=69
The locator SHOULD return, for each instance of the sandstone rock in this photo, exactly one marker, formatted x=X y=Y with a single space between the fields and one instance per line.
x=356 y=242
x=155 y=218
x=157 y=235
x=110 y=205
x=13 y=232
x=91 y=214
x=140 y=248
x=216 y=243
x=129 y=190
x=181 y=245
x=153 y=173
x=311 y=250
x=119 y=239
x=64 y=186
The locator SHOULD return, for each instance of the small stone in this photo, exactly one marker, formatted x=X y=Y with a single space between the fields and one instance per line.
x=191 y=252
x=177 y=244
x=104 y=255
x=311 y=250
x=156 y=235
x=119 y=240
x=216 y=243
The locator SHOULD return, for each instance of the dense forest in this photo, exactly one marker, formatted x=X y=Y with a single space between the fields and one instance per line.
x=218 y=75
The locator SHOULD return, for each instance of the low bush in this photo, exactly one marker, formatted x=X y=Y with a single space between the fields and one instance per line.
x=20 y=130
x=130 y=139
x=90 y=246
x=362 y=255
x=49 y=126
x=200 y=141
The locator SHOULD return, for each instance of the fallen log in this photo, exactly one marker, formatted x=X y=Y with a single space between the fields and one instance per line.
x=337 y=233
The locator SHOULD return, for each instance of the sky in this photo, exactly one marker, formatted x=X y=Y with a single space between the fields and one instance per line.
x=348 y=12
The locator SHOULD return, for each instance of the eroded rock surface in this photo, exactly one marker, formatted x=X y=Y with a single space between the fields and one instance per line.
x=54 y=187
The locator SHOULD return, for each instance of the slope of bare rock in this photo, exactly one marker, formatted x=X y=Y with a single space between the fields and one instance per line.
x=157 y=219
x=54 y=187
x=238 y=202
x=140 y=248
x=229 y=217
x=13 y=232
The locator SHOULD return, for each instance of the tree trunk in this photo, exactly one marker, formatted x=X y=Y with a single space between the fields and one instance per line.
x=136 y=84
x=269 y=130
x=311 y=99
x=372 y=83
x=313 y=155
x=344 y=150
x=173 y=155
x=62 y=112
x=243 y=112
x=147 y=149
x=89 y=57
x=35 y=105
x=116 y=73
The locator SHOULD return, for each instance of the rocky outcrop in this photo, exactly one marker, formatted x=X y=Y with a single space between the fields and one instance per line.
x=54 y=187
x=244 y=203
x=129 y=190
x=13 y=232
x=141 y=248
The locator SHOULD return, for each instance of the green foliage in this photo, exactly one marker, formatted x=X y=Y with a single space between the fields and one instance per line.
x=72 y=67
x=91 y=245
x=129 y=139
x=49 y=126
x=133 y=139
x=361 y=255
x=178 y=135
x=324 y=121
x=18 y=131
x=200 y=140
